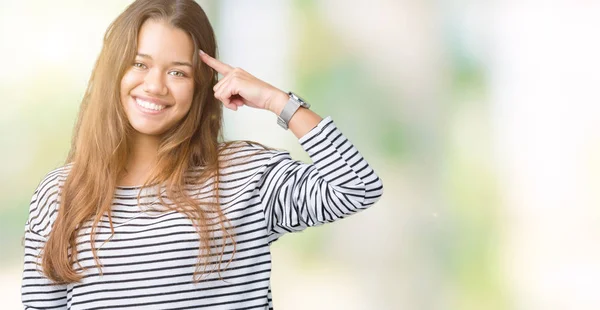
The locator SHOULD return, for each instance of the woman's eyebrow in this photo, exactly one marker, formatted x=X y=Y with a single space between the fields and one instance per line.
x=176 y=63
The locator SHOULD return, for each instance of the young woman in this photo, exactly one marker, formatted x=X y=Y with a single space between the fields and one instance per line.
x=153 y=210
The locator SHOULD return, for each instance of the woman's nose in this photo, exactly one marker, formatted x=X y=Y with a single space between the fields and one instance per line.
x=154 y=83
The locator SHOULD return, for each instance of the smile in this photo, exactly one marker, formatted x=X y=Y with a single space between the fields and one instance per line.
x=149 y=105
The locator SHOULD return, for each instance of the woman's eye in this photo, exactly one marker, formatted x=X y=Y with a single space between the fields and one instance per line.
x=139 y=65
x=177 y=73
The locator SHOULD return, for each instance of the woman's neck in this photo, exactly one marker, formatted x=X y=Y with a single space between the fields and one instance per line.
x=141 y=160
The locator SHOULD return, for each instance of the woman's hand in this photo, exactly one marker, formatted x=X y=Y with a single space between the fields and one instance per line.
x=238 y=88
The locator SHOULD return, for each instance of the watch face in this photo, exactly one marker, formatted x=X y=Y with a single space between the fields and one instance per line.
x=300 y=100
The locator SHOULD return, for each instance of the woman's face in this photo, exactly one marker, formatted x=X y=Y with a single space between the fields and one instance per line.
x=157 y=90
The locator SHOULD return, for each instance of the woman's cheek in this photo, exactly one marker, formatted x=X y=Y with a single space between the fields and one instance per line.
x=128 y=79
x=183 y=92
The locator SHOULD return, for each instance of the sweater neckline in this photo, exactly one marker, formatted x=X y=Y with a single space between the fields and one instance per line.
x=133 y=190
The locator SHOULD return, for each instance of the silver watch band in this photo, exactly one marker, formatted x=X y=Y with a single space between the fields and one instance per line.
x=293 y=104
x=286 y=114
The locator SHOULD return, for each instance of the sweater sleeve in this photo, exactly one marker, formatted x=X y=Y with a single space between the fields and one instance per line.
x=37 y=291
x=338 y=183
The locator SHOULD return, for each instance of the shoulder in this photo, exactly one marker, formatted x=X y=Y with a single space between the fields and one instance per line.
x=45 y=200
x=52 y=181
x=238 y=149
x=243 y=154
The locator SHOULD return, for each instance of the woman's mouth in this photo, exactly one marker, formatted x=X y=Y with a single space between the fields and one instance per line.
x=149 y=107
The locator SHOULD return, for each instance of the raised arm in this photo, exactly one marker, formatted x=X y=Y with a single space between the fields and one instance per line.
x=338 y=183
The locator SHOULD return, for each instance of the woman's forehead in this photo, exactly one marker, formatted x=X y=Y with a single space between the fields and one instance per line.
x=161 y=42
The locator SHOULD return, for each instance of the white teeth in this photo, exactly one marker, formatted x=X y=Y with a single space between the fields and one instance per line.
x=149 y=105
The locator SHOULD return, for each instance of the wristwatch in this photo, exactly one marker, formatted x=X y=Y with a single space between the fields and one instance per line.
x=293 y=104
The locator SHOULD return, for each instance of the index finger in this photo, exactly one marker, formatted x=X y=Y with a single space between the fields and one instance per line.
x=214 y=63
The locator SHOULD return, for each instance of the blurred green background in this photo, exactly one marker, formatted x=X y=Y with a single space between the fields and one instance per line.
x=480 y=117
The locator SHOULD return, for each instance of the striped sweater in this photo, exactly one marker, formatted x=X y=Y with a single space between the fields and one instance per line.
x=149 y=261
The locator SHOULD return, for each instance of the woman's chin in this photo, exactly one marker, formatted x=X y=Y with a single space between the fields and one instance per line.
x=147 y=130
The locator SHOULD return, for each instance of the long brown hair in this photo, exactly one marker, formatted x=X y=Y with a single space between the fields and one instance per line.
x=101 y=142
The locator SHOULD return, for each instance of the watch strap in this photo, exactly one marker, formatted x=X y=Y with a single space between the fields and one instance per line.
x=286 y=114
x=292 y=105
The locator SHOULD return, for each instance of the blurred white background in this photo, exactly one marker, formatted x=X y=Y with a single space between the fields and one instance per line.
x=481 y=117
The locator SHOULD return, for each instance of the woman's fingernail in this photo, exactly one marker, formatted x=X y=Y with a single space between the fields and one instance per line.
x=202 y=52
